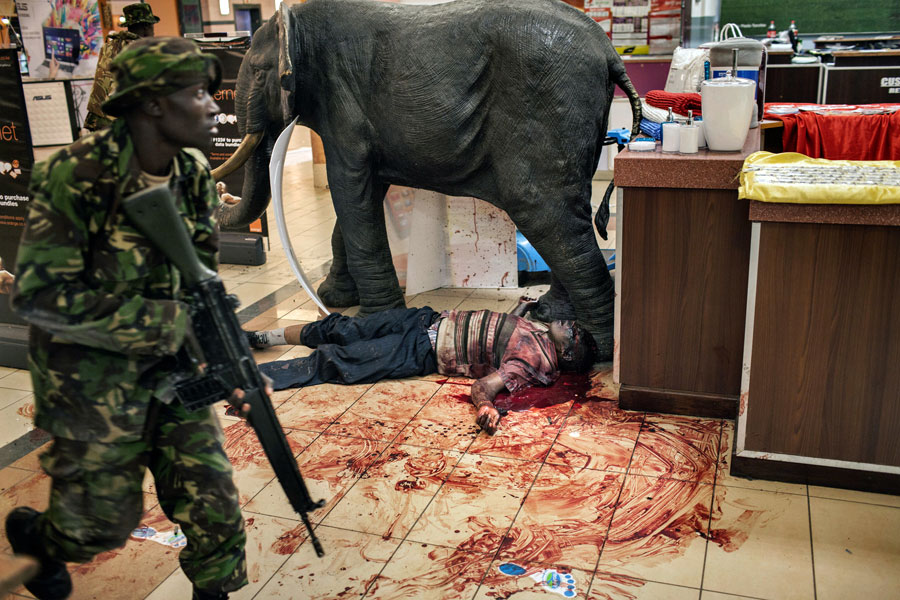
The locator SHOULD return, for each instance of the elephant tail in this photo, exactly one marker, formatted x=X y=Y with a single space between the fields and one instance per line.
x=620 y=77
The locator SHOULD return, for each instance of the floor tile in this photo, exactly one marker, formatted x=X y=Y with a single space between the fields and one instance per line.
x=854 y=558
x=316 y=408
x=676 y=447
x=724 y=476
x=351 y=563
x=19 y=379
x=658 y=531
x=564 y=519
x=10 y=476
x=476 y=505
x=394 y=491
x=597 y=435
x=385 y=409
x=270 y=541
x=16 y=420
x=436 y=301
x=32 y=460
x=759 y=545
x=330 y=466
x=502 y=305
x=854 y=496
x=606 y=586
x=4 y=371
x=252 y=470
x=423 y=571
x=602 y=386
x=524 y=581
x=10 y=396
x=447 y=421
x=138 y=567
x=533 y=419
x=707 y=595
x=249 y=292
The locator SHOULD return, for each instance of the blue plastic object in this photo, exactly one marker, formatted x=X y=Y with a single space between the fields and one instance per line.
x=622 y=135
x=528 y=258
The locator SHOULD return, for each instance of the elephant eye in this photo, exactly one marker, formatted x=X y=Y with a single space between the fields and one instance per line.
x=258 y=73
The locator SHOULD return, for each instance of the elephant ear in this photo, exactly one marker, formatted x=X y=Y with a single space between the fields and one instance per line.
x=285 y=63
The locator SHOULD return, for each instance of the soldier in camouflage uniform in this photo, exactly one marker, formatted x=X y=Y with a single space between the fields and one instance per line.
x=105 y=315
x=139 y=22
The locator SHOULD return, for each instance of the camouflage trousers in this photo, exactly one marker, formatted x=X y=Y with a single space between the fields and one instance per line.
x=96 y=499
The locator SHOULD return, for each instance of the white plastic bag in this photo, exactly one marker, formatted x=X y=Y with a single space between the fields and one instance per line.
x=686 y=71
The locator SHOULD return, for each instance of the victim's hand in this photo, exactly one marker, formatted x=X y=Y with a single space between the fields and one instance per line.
x=488 y=418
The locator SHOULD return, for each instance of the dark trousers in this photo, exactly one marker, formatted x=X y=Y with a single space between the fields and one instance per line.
x=391 y=344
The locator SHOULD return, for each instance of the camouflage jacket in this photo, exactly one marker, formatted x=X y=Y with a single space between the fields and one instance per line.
x=100 y=298
x=104 y=80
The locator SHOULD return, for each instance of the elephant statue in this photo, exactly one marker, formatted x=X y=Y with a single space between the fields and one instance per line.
x=502 y=100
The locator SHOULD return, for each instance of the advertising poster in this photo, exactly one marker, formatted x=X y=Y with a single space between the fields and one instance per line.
x=16 y=160
x=230 y=52
x=637 y=26
x=62 y=37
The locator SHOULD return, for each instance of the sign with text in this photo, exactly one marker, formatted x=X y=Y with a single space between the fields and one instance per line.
x=16 y=161
x=230 y=52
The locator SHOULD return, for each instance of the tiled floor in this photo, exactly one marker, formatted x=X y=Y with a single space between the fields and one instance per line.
x=572 y=497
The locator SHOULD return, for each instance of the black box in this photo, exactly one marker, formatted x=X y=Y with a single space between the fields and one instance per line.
x=236 y=248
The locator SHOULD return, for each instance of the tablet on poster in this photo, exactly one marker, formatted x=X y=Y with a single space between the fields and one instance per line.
x=62 y=38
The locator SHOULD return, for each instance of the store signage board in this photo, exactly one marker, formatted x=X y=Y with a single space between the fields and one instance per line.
x=16 y=161
x=230 y=52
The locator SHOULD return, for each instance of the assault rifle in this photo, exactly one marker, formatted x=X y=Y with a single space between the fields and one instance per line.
x=220 y=354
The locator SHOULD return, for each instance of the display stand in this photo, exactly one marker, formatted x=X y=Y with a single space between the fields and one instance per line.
x=822 y=343
x=230 y=52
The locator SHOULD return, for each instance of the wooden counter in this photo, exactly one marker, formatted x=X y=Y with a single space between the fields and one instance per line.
x=820 y=394
x=682 y=262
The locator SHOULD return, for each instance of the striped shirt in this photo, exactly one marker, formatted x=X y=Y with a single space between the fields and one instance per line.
x=480 y=342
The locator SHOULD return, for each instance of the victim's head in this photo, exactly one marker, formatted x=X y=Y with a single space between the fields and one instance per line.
x=575 y=346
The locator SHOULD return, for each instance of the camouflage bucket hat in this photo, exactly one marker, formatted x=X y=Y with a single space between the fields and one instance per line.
x=157 y=67
x=138 y=13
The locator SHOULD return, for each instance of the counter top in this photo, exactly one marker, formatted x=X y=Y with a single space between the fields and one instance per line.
x=833 y=214
x=704 y=170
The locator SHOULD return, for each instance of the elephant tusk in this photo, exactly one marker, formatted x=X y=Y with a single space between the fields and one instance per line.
x=276 y=176
x=240 y=156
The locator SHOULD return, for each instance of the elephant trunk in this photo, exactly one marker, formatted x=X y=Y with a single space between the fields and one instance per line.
x=254 y=153
x=255 y=193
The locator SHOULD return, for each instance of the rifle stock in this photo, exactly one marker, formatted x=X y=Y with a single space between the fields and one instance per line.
x=229 y=361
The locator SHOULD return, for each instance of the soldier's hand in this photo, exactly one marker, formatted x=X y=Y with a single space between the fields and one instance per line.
x=237 y=397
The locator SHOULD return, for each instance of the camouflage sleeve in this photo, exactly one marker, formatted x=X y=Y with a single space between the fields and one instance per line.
x=204 y=187
x=52 y=289
x=103 y=84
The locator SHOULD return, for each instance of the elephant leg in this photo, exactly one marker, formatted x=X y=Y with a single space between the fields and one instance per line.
x=358 y=202
x=555 y=304
x=338 y=289
x=570 y=249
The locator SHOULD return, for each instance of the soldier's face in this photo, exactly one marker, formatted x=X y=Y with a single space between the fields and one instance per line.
x=188 y=117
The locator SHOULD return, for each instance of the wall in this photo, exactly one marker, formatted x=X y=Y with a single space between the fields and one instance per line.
x=166 y=10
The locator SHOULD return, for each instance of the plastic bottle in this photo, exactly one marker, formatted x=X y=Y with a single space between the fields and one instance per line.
x=794 y=37
x=772 y=31
x=669 y=137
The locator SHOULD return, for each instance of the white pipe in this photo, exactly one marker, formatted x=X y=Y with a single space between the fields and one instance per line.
x=276 y=175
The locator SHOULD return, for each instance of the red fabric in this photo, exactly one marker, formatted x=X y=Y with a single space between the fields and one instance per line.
x=842 y=137
x=679 y=103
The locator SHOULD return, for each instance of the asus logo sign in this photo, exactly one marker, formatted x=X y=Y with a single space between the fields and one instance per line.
x=47 y=97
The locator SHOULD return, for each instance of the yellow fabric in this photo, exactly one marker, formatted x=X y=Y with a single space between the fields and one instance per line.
x=797 y=179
